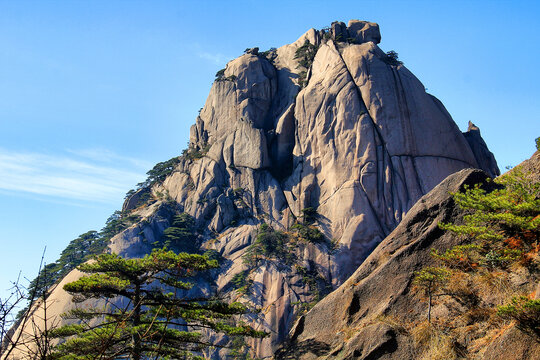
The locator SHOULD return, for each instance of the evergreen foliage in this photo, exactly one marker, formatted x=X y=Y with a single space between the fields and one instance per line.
x=316 y=283
x=463 y=257
x=305 y=230
x=309 y=215
x=159 y=321
x=269 y=244
x=159 y=172
x=253 y=51
x=525 y=311
x=79 y=251
x=193 y=153
x=240 y=350
x=506 y=218
x=430 y=281
x=220 y=76
x=305 y=55
x=502 y=232
x=392 y=58
x=241 y=282
x=270 y=54
x=115 y=224
x=308 y=233
x=181 y=236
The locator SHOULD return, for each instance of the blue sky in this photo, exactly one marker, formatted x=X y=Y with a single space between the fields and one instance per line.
x=93 y=93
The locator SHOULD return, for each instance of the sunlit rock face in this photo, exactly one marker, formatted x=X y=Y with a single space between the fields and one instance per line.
x=360 y=142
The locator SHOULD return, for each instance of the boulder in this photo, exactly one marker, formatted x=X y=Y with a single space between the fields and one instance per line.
x=364 y=31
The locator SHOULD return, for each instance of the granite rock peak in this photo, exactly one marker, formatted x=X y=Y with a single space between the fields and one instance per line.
x=329 y=122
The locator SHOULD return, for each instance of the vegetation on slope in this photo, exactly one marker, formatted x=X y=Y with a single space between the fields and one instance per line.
x=79 y=250
x=283 y=248
x=489 y=281
x=305 y=55
x=157 y=322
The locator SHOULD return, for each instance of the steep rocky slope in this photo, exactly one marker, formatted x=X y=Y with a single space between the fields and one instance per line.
x=376 y=314
x=349 y=132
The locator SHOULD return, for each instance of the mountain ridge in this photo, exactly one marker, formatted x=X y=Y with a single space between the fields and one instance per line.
x=349 y=132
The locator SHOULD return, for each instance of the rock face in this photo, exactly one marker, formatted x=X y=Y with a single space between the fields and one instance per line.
x=361 y=142
x=380 y=286
x=365 y=318
x=483 y=156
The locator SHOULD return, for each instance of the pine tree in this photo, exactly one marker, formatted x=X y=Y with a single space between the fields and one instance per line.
x=431 y=280
x=158 y=321
x=181 y=234
x=501 y=231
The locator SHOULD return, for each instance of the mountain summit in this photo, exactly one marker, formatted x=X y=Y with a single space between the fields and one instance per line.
x=302 y=160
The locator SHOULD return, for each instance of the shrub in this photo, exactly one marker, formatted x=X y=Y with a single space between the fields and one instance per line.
x=270 y=54
x=318 y=286
x=305 y=55
x=220 y=76
x=537 y=140
x=525 y=311
x=270 y=244
x=212 y=254
x=463 y=257
x=308 y=233
x=253 y=51
x=238 y=191
x=241 y=282
x=196 y=153
x=501 y=258
x=309 y=215
x=391 y=58
x=180 y=235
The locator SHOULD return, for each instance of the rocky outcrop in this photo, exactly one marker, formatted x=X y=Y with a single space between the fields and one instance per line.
x=360 y=142
x=380 y=286
x=370 y=315
x=484 y=157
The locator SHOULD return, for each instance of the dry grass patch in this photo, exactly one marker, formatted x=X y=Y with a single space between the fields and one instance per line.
x=433 y=343
x=393 y=322
x=493 y=286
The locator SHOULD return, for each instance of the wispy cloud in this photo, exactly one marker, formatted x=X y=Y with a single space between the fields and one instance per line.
x=218 y=59
x=108 y=156
x=75 y=175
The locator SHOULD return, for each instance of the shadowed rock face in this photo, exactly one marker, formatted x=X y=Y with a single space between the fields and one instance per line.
x=361 y=143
